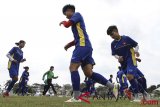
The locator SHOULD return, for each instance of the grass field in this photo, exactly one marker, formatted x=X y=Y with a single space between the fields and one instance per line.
x=18 y=101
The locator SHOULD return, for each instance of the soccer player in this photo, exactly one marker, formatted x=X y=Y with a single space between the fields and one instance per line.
x=122 y=79
x=50 y=76
x=15 y=56
x=45 y=86
x=125 y=49
x=82 y=54
x=110 y=92
x=110 y=79
x=23 y=81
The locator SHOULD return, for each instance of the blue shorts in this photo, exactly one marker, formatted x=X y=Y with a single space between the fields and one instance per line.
x=14 y=70
x=131 y=69
x=82 y=55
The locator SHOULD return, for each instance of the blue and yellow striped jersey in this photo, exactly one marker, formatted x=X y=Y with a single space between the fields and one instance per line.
x=79 y=31
x=124 y=47
x=17 y=54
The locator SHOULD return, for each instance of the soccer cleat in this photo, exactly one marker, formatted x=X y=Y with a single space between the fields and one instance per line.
x=137 y=98
x=5 y=94
x=116 y=90
x=128 y=94
x=73 y=100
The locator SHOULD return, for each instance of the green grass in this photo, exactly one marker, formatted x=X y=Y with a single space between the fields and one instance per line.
x=17 y=101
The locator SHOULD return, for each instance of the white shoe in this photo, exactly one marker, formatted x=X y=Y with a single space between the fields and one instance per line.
x=137 y=98
x=73 y=100
x=116 y=91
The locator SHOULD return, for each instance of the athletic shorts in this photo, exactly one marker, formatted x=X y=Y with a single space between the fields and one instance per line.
x=123 y=86
x=133 y=70
x=82 y=55
x=14 y=70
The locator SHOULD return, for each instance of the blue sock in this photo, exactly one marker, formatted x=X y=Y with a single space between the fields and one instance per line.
x=99 y=78
x=75 y=78
x=134 y=85
x=11 y=85
x=23 y=90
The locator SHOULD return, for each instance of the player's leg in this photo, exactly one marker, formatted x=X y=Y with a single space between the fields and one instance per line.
x=142 y=79
x=131 y=76
x=142 y=84
x=45 y=89
x=55 y=93
x=48 y=86
x=87 y=69
x=14 y=80
x=75 y=78
x=23 y=88
x=76 y=59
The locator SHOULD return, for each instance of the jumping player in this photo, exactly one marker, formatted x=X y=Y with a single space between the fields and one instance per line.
x=125 y=49
x=15 y=56
x=82 y=54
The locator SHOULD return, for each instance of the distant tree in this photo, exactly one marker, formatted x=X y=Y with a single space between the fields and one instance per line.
x=102 y=89
x=157 y=93
x=67 y=86
x=158 y=85
x=31 y=90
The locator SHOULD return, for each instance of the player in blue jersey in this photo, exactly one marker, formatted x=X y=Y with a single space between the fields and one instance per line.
x=15 y=56
x=122 y=80
x=82 y=54
x=110 y=92
x=23 y=81
x=125 y=49
x=110 y=79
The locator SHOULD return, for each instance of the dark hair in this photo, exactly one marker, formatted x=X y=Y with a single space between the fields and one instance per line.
x=111 y=29
x=68 y=6
x=26 y=67
x=111 y=75
x=51 y=67
x=21 y=41
x=119 y=68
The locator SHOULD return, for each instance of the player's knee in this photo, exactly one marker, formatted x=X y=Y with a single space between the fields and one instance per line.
x=74 y=67
x=88 y=74
x=15 y=78
x=130 y=77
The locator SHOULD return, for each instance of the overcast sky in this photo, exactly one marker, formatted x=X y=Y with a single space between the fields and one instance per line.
x=37 y=22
